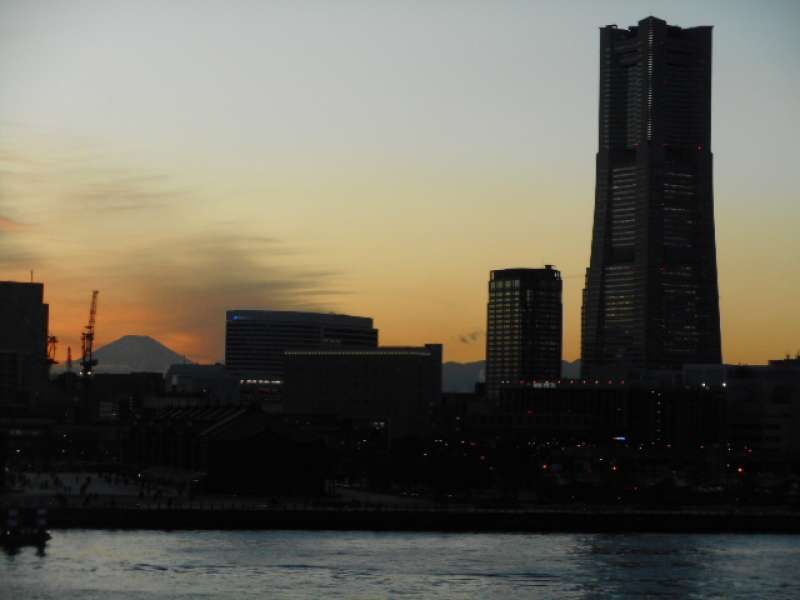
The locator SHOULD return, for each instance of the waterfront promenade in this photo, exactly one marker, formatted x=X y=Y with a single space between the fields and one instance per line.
x=91 y=500
x=387 y=518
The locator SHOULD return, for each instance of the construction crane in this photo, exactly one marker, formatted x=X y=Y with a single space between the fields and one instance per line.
x=52 y=344
x=88 y=361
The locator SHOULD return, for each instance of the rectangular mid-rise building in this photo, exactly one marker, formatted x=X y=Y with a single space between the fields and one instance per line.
x=255 y=340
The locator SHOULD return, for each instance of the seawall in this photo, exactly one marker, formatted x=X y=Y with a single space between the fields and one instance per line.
x=489 y=520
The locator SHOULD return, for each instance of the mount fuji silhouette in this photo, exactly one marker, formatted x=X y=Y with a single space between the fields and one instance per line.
x=136 y=354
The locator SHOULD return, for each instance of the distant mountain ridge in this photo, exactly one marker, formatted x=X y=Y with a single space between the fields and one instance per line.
x=462 y=377
x=136 y=354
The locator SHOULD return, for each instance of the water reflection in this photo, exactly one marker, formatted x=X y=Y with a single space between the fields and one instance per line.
x=12 y=550
x=630 y=566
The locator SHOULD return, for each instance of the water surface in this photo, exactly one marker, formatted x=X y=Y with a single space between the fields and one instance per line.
x=299 y=564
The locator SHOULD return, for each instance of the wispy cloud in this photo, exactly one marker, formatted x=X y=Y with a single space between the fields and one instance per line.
x=82 y=182
x=164 y=267
x=16 y=256
x=179 y=288
x=104 y=191
x=17 y=253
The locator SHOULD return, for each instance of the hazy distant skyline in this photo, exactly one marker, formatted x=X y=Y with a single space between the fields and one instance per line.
x=376 y=159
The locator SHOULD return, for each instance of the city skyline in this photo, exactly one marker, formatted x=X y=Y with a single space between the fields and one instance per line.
x=193 y=186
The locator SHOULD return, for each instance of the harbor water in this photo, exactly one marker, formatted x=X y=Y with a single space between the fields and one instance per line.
x=299 y=564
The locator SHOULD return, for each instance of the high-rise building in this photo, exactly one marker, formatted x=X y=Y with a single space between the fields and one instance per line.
x=23 y=342
x=524 y=323
x=651 y=299
x=255 y=340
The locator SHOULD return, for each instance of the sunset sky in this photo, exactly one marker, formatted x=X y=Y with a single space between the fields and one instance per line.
x=372 y=158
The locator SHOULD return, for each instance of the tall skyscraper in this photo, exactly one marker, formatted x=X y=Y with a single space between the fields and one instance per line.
x=651 y=299
x=524 y=323
x=255 y=340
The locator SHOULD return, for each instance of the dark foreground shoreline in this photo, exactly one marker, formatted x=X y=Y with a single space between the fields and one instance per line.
x=610 y=520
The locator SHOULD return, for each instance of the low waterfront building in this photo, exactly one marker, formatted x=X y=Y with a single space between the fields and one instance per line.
x=234 y=449
x=394 y=388
x=595 y=411
x=764 y=408
x=210 y=383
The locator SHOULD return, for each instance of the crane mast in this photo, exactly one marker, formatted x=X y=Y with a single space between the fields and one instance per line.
x=52 y=345
x=88 y=361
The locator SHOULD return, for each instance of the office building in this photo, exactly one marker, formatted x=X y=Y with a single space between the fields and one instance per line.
x=651 y=299
x=524 y=327
x=23 y=343
x=390 y=388
x=255 y=340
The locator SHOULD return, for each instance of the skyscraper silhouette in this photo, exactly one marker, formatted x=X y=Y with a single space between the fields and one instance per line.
x=24 y=321
x=651 y=299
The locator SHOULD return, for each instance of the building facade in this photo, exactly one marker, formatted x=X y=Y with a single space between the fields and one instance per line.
x=213 y=384
x=255 y=340
x=23 y=343
x=524 y=327
x=391 y=388
x=651 y=299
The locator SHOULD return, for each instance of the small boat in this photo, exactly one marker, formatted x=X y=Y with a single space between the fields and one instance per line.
x=16 y=533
